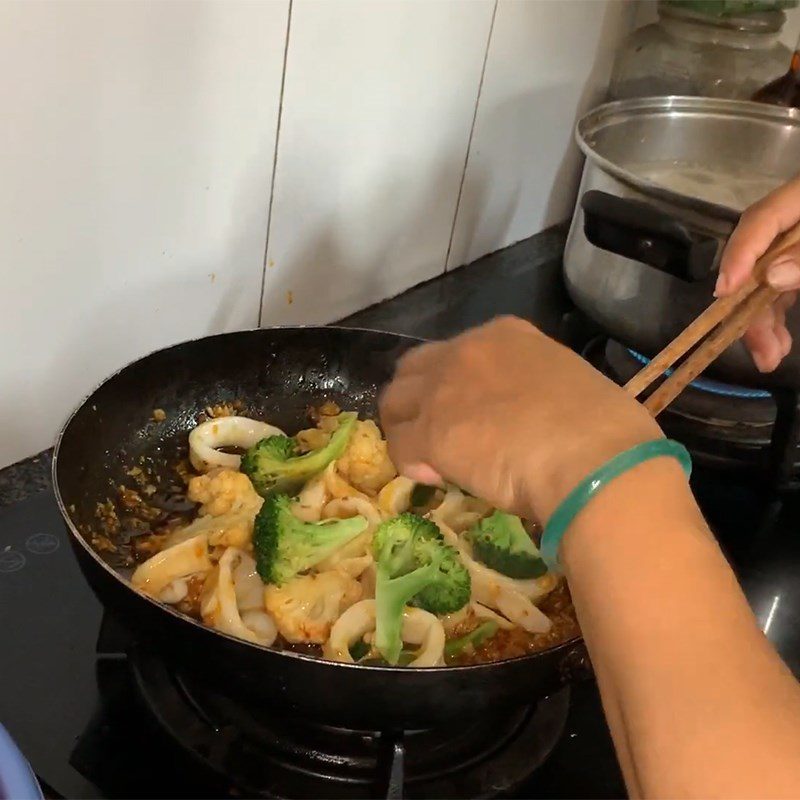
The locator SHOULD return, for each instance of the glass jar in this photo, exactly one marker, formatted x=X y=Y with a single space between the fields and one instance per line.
x=785 y=89
x=689 y=53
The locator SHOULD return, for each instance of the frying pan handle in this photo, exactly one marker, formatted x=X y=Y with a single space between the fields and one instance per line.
x=575 y=665
x=642 y=232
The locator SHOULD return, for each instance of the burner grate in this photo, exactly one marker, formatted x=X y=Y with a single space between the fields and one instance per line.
x=265 y=752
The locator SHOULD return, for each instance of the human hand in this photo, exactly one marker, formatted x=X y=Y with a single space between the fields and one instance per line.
x=768 y=338
x=508 y=414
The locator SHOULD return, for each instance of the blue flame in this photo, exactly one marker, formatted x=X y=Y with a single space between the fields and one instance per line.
x=714 y=387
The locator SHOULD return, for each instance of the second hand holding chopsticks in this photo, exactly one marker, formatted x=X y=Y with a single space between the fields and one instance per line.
x=723 y=322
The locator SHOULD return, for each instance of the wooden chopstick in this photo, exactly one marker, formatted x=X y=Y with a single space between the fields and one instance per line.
x=688 y=338
x=713 y=346
x=722 y=323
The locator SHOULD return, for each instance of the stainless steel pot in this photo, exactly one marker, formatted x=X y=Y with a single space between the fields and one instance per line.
x=663 y=186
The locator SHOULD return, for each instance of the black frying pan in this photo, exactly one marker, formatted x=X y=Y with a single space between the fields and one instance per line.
x=277 y=373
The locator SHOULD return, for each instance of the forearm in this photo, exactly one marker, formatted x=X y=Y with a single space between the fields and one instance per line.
x=689 y=683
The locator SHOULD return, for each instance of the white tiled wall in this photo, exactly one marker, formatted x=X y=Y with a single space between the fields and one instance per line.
x=377 y=109
x=137 y=146
x=523 y=164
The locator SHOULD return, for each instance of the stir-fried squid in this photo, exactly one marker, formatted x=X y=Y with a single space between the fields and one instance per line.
x=207 y=439
x=223 y=607
x=188 y=557
x=317 y=558
x=419 y=628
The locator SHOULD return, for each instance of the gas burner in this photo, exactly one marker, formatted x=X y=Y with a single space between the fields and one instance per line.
x=726 y=412
x=264 y=752
x=711 y=386
x=722 y=425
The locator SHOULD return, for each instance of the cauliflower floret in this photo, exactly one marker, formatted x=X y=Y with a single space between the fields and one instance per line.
x=234 y=529
x=327 y=419
x=223 y=490
x=366 y=463
x=305 y=608
x=228 y=510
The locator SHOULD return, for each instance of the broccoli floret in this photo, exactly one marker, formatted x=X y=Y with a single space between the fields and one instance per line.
x=413 y=565
x=274 y=466
x=451 y=589
x=285 y=545
x=280 y=447
x=502 y=543
x=472 y=639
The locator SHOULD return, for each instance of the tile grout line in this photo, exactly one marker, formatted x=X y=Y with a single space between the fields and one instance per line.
x=469 y=140
x=274 y=164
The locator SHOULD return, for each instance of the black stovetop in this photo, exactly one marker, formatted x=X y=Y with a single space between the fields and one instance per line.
x=78 y=717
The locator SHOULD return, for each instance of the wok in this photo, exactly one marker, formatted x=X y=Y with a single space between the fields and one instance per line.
x=277 y=373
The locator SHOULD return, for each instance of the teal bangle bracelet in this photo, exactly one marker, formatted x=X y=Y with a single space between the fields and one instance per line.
x=580 y=496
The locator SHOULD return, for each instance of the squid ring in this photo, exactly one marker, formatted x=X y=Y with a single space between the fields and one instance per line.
x=206 y=439
x=419 y=627
x=395 y=497
x=179 y=561
x=220 y=609
x=513 y=598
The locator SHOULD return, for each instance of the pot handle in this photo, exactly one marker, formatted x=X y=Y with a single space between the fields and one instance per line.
x=642 y=232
